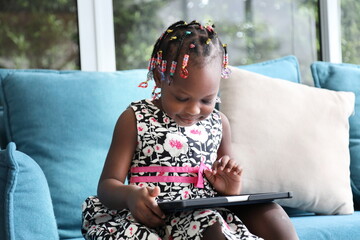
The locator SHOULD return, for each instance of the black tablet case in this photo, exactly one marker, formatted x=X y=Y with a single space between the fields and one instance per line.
x=222 y=201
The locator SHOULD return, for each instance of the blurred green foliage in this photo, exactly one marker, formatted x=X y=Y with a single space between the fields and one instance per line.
x=44 y=33
x=136 y=24
x=350 y=22
x=39 y=34
x=139 y=23
x=250 y=38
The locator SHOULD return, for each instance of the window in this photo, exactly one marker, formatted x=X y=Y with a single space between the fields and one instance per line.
x=39 y=34
x=255 y=30
x=350 y=31
x=45 y=34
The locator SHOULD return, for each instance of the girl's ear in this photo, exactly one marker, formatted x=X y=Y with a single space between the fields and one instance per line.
x=157 y=76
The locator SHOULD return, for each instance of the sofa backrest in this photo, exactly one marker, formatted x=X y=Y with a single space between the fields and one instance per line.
x=64 y=120
x=3 y=74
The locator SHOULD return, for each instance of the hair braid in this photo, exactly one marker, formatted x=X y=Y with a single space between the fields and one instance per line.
x=193 y=40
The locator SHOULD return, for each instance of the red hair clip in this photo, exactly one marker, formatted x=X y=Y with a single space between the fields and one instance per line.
x=184 y=72
x=143 y=84
x=210 y=28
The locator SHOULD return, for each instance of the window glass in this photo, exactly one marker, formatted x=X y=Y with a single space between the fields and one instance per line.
x=255 y=30
x=350 y=31
x=39 y=34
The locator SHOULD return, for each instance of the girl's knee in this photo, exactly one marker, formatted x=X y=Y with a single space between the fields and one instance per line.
x=214 y=232
x=268 y=220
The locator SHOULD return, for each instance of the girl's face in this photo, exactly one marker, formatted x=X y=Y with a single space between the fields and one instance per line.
x=190 y=100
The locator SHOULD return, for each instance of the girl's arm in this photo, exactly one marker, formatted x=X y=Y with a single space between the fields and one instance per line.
x=111 y=189
x=225 y=175
x=225 y=145
x=118 y=161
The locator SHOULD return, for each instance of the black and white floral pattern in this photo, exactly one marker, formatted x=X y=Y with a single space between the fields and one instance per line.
x=161 y=142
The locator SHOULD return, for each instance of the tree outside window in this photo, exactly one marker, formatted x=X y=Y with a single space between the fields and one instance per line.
x=39 y=34
x=255 y=30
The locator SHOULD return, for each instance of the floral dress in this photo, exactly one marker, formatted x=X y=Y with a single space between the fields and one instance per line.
x=173 y=158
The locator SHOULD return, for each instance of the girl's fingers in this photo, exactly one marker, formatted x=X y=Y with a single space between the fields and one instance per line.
x=221 y=163
x=152 y=205
x=216 y=164
x=237 y=170
x=144 y=207
x=227 y=164
x=230 y=165
x=157 y=211
x=153 y=192
x=149 y=218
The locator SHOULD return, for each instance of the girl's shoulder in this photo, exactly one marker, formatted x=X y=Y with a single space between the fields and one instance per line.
x=142 y=104
x=220 y=114
x=145 y=109
x=216 y=115
x=138 y=103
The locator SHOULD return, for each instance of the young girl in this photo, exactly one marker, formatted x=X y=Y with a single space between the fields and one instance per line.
x=176 y=146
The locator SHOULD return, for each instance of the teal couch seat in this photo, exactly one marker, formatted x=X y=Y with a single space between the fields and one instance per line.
x=55 y=131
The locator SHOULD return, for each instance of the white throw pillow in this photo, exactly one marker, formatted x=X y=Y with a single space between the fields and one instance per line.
x=291 y=137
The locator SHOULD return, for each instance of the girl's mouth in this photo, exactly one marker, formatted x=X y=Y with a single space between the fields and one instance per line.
x=188 y=121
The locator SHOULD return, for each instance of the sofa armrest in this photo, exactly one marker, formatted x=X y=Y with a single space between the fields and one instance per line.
x=27 y=209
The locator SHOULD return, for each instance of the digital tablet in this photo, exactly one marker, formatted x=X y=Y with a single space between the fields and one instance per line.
x=222 y=201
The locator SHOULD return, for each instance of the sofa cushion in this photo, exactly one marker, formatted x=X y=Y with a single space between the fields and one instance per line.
x=64 y=121
x=344 y=77
x=291 y=137
x=286 y=68
x=3 y=74
x=26 y=204
x=2 y=129
x=328 y=227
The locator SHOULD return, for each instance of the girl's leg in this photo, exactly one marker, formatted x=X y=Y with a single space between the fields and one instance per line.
x=267 y=220
x=213 y=232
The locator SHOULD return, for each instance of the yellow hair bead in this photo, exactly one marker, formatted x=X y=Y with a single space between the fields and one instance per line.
x=208 y=41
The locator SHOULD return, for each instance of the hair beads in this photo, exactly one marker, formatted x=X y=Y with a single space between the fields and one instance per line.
x=184 y=72
x=159 y=57
x=163 y=66
x=226 y=71
x=202 y=45
x=173 y=68
x=154 y=94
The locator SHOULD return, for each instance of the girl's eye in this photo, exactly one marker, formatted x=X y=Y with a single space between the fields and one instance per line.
x=181 y=99
x=207 y=101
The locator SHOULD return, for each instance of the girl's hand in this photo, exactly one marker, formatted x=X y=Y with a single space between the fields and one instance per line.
x=144 y=208
x=225 y=176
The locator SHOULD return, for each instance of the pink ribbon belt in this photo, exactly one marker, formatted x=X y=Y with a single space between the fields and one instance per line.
x=198 y=181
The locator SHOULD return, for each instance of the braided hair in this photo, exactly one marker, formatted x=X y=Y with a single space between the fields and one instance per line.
x=193 y=40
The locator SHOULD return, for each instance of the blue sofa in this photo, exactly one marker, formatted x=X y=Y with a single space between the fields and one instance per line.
x=55 y=130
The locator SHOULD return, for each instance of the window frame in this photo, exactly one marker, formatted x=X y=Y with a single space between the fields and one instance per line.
x=330 y=30
x=97 y=41
x=96 y=35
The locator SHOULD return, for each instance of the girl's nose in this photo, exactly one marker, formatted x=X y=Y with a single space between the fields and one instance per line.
x=192 y=109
